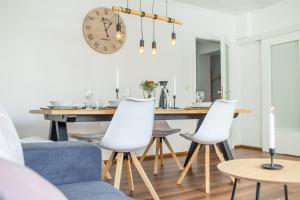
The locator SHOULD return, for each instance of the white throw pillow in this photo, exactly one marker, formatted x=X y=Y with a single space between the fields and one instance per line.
x=10 y=145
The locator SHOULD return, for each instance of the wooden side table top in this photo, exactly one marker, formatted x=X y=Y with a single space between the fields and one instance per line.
x=251 y=169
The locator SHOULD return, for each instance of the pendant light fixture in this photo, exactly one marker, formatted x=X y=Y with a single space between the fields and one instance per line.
x=154 y=49
x=142 y=42
x=173 y=36
x=118 y=34
x=142 y=14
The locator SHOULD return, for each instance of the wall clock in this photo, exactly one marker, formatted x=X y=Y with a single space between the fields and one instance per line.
x=99 y=29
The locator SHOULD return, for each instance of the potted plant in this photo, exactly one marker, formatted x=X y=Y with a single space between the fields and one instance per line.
x=148 y=87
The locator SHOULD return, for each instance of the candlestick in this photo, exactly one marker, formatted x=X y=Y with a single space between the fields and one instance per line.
x=174 y=101
x=118 y=77
x=272 y=165
x=174 y=85
x=272 y=129
x=117 y=93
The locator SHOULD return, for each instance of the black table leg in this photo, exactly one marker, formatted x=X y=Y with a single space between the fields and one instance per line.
x=193 y=144
x=286 y=193
x=52 y=131
x=234 y=188
x=58 y=131
x=225 y=149
x=257 y=190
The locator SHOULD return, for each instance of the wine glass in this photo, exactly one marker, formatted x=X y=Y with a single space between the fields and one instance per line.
x=88 y=97
x=126 y=93
x=200 y=96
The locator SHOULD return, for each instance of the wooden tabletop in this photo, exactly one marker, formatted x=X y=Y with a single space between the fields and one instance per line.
x=251 y=169
x=112 y=111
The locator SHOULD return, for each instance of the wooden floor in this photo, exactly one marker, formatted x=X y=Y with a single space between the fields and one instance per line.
x=193 y=185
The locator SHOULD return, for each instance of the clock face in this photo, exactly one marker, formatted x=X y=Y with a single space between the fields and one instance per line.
x=99 y=29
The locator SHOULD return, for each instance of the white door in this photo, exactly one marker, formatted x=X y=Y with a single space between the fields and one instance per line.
x=281 y=89
x=225 y=78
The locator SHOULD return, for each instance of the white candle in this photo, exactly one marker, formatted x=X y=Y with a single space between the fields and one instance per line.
x=174 y=85
x=118 y=77
x=272 y=130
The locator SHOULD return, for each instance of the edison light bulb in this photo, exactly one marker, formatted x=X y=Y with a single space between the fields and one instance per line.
x=141 y=50
x=173 y=41
x=142 y=44
x=118 y=35
x=154 y=51
x=154 y=48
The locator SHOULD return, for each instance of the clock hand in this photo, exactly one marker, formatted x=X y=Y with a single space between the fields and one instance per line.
x=105 y=28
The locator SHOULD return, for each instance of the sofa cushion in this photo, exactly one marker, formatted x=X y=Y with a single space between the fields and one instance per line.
x=19 y=182
x=92 y=190
x=10 y=146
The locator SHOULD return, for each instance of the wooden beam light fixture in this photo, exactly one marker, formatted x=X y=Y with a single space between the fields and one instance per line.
x=146 y=14
x=152 y=16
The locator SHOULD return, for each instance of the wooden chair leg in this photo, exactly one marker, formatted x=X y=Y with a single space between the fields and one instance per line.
x=129 y=174
x=108 y=165
x=147 y=149
x=161 y=152
x=107 y=175
x=219 y=154
x=173 y=153
x=207 y=169
x=222 y=159
x=189 y=164
x=143 y=176
x=156 y=156
x=120 y=158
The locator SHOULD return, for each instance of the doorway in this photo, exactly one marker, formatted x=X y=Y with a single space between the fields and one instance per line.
x=281 y=90
x=208 y=69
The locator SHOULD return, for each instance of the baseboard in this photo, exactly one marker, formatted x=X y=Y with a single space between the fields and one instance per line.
x=241 y=146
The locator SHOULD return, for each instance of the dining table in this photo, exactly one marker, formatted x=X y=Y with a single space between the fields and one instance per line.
x=60 y=117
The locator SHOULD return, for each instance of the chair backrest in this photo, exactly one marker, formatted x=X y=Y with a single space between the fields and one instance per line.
x=10 y=144
x=217 y=123
x=132 y=124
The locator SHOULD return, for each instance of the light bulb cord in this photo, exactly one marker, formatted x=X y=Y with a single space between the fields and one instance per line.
x=153 y=22
x=142 y=33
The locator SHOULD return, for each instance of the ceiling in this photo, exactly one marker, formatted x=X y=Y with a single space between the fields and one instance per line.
x=233 y=7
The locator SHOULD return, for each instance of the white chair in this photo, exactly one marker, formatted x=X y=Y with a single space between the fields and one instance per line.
x=161 y=130
x=214 y=129
x=129 y=130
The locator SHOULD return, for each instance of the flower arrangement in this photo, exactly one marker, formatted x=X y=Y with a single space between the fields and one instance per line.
x=148 y=87
x=149 y=84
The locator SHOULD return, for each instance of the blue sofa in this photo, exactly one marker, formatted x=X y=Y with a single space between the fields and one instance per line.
x=74 y=167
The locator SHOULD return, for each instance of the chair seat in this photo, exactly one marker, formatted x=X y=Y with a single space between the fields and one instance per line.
x=121 y=148
x=192 y=138
x=87 y=136
x=164 y=133
x=92 y=190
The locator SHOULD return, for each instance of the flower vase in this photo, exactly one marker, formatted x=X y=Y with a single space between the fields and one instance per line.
x=149 y=93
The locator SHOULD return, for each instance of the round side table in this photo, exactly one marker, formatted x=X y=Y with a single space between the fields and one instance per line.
x=251 y=169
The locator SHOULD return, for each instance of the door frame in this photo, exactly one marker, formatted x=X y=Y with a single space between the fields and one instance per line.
x=223 y=43
x=266 y=45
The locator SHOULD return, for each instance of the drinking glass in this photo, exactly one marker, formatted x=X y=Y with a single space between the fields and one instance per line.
x=200 y=96
x=88 y=97
x=126 y=93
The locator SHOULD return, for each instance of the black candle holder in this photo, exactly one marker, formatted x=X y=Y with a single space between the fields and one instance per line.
x=174 y=102
x=272 y=165
x=117 y=93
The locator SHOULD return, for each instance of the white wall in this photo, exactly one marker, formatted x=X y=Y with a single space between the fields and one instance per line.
x=43 y=56
x=251 y=28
